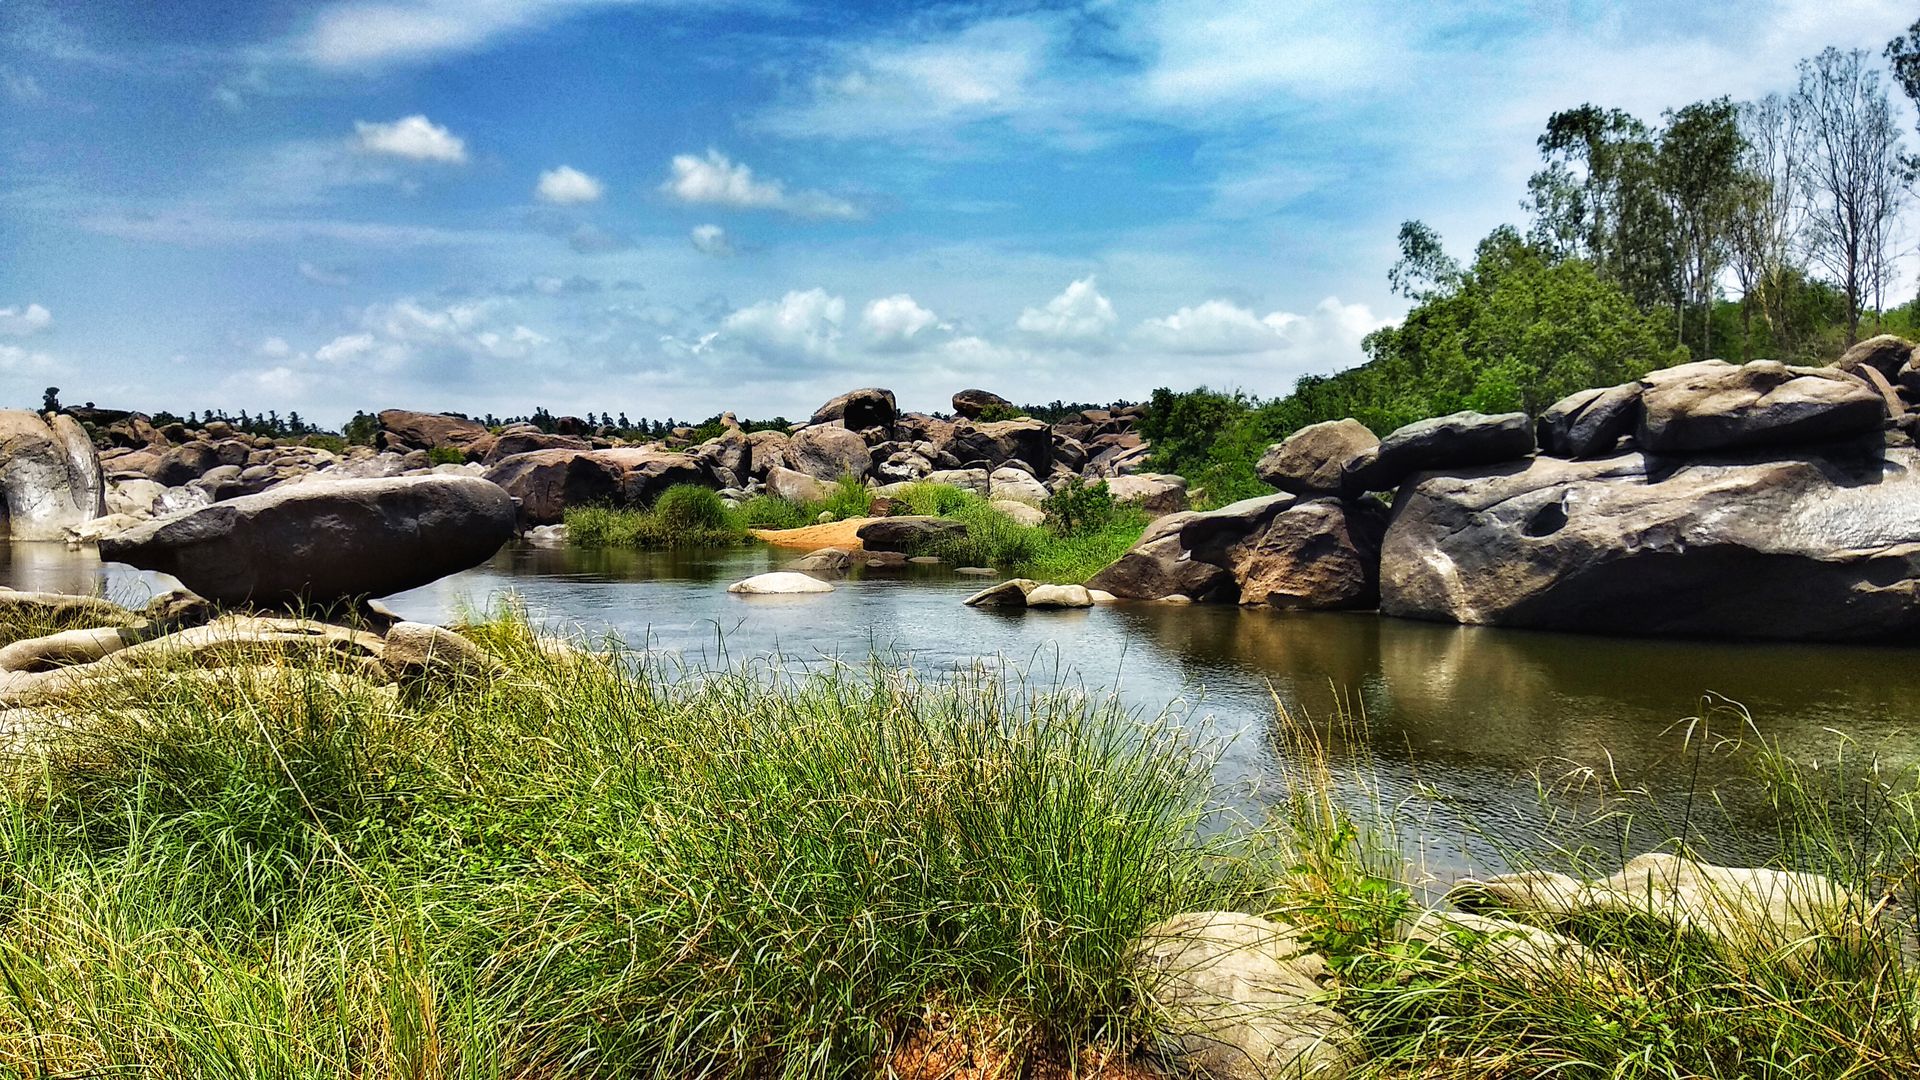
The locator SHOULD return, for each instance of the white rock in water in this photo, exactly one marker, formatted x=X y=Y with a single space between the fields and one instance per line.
x=779 y=583
x=1059 y=596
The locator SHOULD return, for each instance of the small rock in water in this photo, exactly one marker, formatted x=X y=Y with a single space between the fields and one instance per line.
x=779 y=583
x=1059 y=596
x=977 y=571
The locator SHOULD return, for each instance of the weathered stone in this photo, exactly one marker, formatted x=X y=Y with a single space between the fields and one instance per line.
x=829 y=560
x=1016 y=485
x=1158 y=567
x=1797 y=546
x=780 y=583
x=506 y=446
x=907 y=533
x=1714 y=405
x=1590 y=422
x=1243 y=999
x=971 y=403
x=1317 y=553
x=828 y=452
x=796 y=487
x=1884 y=353
x=50 y=476
x=404 y=429
x=1011 y=593
x=67 y=647
x=419 y=650
x=546 y=482
x=1059 y=596
x=1462 y=440
x=1025 y=513
x=321 y=540
x=997 y=443
x=1158 y=494
x=1749 y=912
x=766 y=450
x=858 y=410
x=18 y=608
x=1314 y=459
x=978 y=481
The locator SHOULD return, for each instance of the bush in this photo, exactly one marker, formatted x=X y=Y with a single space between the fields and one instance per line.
x=773 y=512
x=684 y=515
x=849 y=498
x=446 y=455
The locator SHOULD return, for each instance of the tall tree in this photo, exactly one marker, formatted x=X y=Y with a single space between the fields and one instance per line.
x=1768 y=212
x=1855 y=173
x=1597 y=199
x=1698 y=171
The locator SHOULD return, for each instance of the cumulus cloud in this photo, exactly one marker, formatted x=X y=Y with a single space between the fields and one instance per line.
x=21 y=321
x=347 y=348
x=1330 y=334
x=414 y=138
x=361 y=33
x=15 y=358
x=719 y=181
x=711 y=239
x=274 y=348
x=898 y=324
x=803 y=324
x=567 y=186
x=1078 y=317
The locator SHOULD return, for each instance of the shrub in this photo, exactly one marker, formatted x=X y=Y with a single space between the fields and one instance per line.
x=773 y=512
x=446 y=455
x=849 y=498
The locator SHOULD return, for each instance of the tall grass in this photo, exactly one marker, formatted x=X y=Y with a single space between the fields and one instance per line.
x=591 y=867
x=684 y=515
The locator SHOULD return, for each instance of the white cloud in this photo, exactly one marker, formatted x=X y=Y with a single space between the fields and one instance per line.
x=799 y=323
x=412 y=137
x=274 y=348
x=1079 y=316
x=15 y=358
x=1330 y=334
x=368 y=32
x=567 y=186
x=21 y=321
x=345 y=348
x=1212 y=52
x=711 y=239
x=898 y=324
x=322 y=275
x=21 y=86
x=717 y=180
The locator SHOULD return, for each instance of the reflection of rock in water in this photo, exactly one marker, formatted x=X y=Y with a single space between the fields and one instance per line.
x=57 y=568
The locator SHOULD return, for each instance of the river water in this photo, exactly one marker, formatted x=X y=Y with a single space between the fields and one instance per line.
x=1461 y=724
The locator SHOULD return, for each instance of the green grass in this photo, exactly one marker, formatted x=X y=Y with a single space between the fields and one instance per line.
x=1063 y=550
x=591 y=867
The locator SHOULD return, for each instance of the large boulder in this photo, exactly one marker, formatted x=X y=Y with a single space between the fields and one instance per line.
x=1156 y=493
x=1714 y=405
x=1317 y=553
x=765 y=451
x=1462 y=440
x=1803 y=545
x=320 y=541
x=859 y=410
x=972 y=403
x=403 y=430
x=1002 y=441
x=1244 y=998
x=49 y=476
x=1885 y=354
x=1016 y=485
x=1158 y=567
x=828 y=452
x=1313 y=460
x=1589 y=422
x=646 y=473
x=907 y=533
x=546 y=482
x=525 y=442
x=796 y=487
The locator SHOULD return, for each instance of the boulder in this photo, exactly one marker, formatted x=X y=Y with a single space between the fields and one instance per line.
x=646 y=473
x=1511 y=951
x=1884 y=353
x=1316 y=553
x=1024 y=513
x=906 y=534
x=978 y=481
x=795 y=487
x=827 y=560
x=413 y=650
x=858 y=410
x=1059 y=596
x=546 y=482
x=1762 y=544
x=828 y=452
x=997 y=443
x=49 y=476
x=1158 y=567
x=1749 y=912
x=402 y=430
x=1243 y=998
x=780 y=583
x=1011 y=593
x=766 y=450
x=1462 y=440
x=506 y=446
x=1016 y=485
x=322 y=541
x=1314 y=459
x=1589 y=422
x=971 y=403
x=1714 y=405
x=1158 y=494
x=183 y=463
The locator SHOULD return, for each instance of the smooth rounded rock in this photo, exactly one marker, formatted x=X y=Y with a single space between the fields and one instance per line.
x=780 y=583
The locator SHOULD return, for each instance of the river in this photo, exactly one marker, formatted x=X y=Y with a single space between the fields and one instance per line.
x=1460 y=723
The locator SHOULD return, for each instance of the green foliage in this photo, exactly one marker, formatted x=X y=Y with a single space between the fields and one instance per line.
x=596 y=866
x=997 y=412
x=1060 y=551
x=446 y=455
x=773 y=512
x=685 y=515
x=361 y=429
x=934 y=500
x=1080 y=507
x=847 y=498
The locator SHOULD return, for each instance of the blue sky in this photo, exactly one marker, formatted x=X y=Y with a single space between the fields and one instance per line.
x=679 y=206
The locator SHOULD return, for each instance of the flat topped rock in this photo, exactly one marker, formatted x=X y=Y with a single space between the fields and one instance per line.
x=322 y=540
x=779 y=583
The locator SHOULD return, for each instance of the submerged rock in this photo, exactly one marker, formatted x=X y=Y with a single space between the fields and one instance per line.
x=780 y=583
x=321 y=540
x=1801 y=546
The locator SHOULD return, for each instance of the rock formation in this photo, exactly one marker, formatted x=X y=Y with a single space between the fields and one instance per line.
x=49 y=474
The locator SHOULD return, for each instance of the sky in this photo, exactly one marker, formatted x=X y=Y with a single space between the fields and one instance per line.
x=674 y=207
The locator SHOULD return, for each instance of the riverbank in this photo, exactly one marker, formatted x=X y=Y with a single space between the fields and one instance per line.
x=591 y=865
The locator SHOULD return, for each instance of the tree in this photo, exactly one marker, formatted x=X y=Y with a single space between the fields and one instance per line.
x=1768 y=215
x=1698 y=170
x=50 y=399
x=1855 y=174
x=1424 y=267
x=1598 y=199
